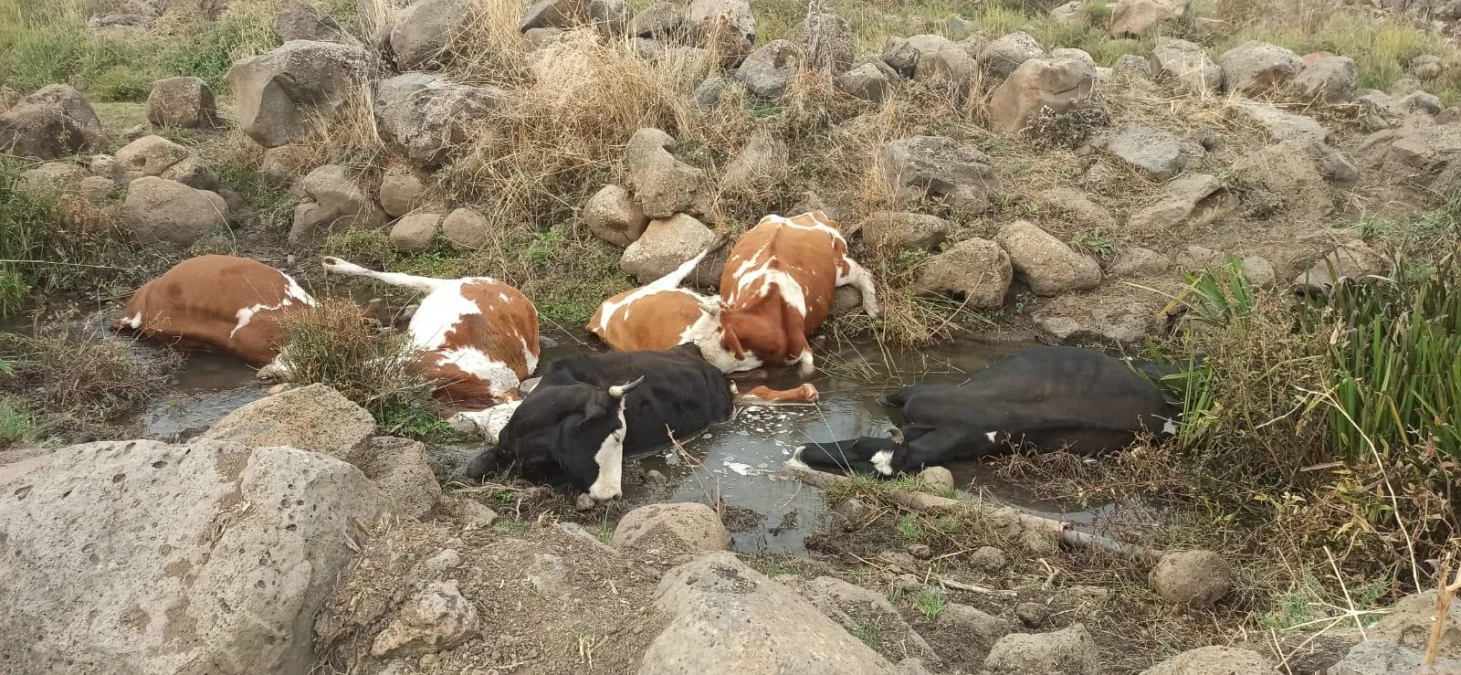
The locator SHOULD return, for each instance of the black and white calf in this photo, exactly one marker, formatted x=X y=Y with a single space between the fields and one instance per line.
x=1045 y=398
x=587 y=412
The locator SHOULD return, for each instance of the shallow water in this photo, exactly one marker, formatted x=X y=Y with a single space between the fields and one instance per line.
x=736 y=461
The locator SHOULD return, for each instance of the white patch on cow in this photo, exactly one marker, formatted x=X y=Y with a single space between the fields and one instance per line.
x=489 y=422
x=293 y=292
x=610 y=459
x=796 y=460
x=668 y=282
x=765 y=278
x=476 y=364
x=529 y=357
x=1169 y=426
x=439 y=312
x=883 y=462
x=135 y=321
x=991 y=435
x=806 y=365
x=816 y=226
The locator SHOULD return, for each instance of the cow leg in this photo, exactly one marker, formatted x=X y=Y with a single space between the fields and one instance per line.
x=858 y=277
x=423 y=284
x=489 y=422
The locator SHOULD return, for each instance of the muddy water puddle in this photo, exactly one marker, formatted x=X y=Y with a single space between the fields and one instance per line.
x=736 y=462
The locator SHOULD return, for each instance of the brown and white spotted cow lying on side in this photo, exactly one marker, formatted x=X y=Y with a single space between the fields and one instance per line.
x=217 y=303
x=478 y=337
x=777 y=287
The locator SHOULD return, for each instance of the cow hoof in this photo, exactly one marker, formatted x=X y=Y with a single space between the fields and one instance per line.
x=461 y=424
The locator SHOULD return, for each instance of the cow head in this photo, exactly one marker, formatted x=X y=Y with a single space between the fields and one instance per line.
x=578 y=427
x=717 y=342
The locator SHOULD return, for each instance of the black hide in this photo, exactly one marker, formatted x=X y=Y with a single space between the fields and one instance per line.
x=1045 y=398
x=550 y=434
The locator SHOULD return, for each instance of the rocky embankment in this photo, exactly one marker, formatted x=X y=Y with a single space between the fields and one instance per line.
x=289 y=537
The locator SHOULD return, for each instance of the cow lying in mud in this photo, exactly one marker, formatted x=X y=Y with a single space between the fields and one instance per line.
x=1045 y=398
x=217 y=303
x=776 y=290
x=588 y=412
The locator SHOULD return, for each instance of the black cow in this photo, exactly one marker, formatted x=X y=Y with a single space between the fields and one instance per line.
x=1047 y=398
x=587 y=412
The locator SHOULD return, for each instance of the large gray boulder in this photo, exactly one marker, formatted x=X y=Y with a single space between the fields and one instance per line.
x=53 y=178
x=896 y=230
x=869 y=81
x=315 y=418
x=557 y=14
x=185 y=102
x=1426 y=155
x=303 y=21
x=857 y=608
x=938 y=166
x=425 y=116
x=769 y=71
x=416 y=232
x=1038 y=85
x=977 y=269
x=210 y=557
x=1255 y=68
x=728 y=618
x=338 y=203
x=827 y=42
x=319 y=419
x=421 y=36
x=1149 y=149
x=276 y=94
x=664 y=184
x=1194 y=199
x=1047 y=264
x=1141 y=17
x=466 y=230
x=161 y=210
x=1186 y=64
x=402 y=191
x=665 y=245
x=1331 y=79
x=52 y=122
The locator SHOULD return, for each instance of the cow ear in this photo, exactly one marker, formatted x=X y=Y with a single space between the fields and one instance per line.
x=593 y=410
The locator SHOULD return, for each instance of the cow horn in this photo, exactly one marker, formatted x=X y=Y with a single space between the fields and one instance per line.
x=712 y=306
x=618 y=391
x=897 y=435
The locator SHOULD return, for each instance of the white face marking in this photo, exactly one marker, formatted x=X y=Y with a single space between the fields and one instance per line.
x=1169 y=427
x=135 y=322
x=476 y=364
x=610 y=459
x=883 y=462
x=990 y=436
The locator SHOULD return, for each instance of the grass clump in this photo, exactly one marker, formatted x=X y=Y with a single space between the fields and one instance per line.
x=930 y=604
x=73 y=386
x=332 y=344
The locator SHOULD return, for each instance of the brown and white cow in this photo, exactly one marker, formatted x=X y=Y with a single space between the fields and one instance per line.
x=660 y=314
x=217 y=303
x=776 y=290
x=478 y=336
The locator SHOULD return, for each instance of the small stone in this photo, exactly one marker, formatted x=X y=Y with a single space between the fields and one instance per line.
x=978 y=269
x=920 y=551
x=1218 y=661
x=989 y=559
x=985 y=627
x=690 y=526
x=937 y=477
x=1150 y=149
x=896 y=230
x=853 y=513
x=438 y=618
x=444 y=560
x=1048 y=265
x=402 y=191
x=181 y=102
x=1001 y=57
x=1255 y=68
x=416 y=232
x=476 y=514
x=1068 y=651
x=768 y=72
x=466 y=230
x=1198 y=578
x=585 y=503
x=1032 y=614
x=613 y=216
